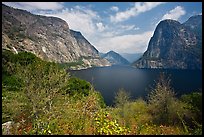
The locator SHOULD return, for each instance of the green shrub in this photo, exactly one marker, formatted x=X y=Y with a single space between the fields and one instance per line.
x=151 y=129
x=7 y=56
x=12 y=83
x=194 y=105
x=13 y=104
x=8 y=60
x=194 y=100
x=77 y=86
x=100 y=99
x=121 y=98
x=137 y=112
x=25 y=58
x=160 y=99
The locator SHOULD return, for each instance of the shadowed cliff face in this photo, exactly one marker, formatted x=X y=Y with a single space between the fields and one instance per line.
x=174 y=45
x=47 y=37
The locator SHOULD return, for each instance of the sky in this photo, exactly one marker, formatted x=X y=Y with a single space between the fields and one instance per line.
x=124 y=27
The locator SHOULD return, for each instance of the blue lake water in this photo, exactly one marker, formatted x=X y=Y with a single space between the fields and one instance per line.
x=108 y=80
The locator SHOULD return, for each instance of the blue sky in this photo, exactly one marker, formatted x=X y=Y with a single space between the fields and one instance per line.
x=125 y=27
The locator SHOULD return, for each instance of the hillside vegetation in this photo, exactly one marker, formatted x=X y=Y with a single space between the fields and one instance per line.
x=41 y=98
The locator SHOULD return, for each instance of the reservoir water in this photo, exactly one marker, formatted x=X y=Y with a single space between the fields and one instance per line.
x=139 y=82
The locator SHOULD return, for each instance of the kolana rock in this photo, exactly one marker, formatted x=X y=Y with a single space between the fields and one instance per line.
x=6 y=128
x=10 y=127
x=115 y=58
x=174 y=46
x=47 y=37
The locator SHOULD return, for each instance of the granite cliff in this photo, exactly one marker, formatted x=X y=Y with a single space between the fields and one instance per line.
x=47 y=37
x=174 y=46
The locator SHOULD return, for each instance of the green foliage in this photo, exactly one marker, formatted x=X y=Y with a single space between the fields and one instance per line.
x=77 y=86
x=12 y=83
x=8 y=58
x=69 y=64
x=194 y=101
x=152 y=129
x=194 y=105
x=10 y=61
x=43 y=82
x=43 y=126
x=136 y=112
x=41 y=95
x=13 y=103
x=25 y=58
x=37 y=81
x=76 y=116
x=100 y=99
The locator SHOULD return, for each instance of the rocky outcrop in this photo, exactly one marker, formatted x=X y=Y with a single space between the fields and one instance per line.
x=174 y=45
x=115 y=58
x=47 y=37
x=7 y=127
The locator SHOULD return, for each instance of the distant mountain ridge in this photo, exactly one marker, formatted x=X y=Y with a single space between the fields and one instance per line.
x=115 y=58
x=47 y=37
x=131 y=57
x=174 y=45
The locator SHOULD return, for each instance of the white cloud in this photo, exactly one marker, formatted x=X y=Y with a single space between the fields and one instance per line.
x=100 y=26
x=136 y=28
x=200 y=13
x=129 y=27
x=175 y=13
x=136 y=43
x=80 y=19
x=114 y=8
x=30 y=6
x=138 y=8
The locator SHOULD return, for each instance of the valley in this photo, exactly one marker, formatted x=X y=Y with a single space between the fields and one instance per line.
x=101 y=68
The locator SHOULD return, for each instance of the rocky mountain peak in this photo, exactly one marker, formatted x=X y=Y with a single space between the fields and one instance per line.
x=168 y=22
x=173 y=45
x=112 y=52
x=76 y=34
x=167 y=28
x=27 y=18
x=115 y=58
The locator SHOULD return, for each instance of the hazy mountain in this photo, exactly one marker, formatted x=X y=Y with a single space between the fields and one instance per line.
x=131 y=57
x=47 y=37
x=115 y=58
x=174 y=45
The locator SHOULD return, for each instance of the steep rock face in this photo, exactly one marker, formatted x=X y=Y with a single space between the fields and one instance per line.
x=173 y=45
x=47 y=37
x=115 y=58
x=85 y=46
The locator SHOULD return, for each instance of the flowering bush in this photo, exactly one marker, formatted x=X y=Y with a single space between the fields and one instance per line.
x=105 y=125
